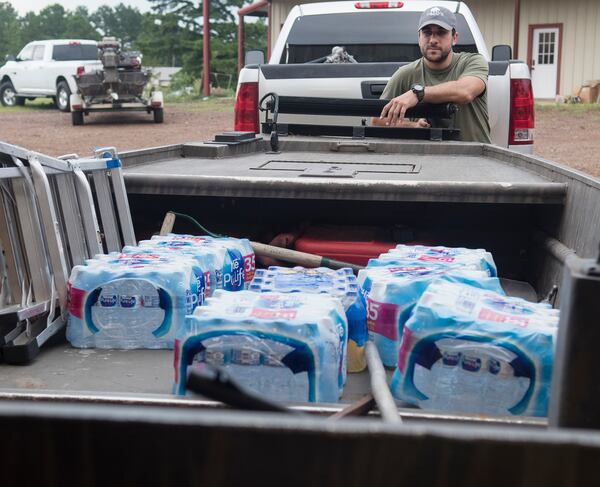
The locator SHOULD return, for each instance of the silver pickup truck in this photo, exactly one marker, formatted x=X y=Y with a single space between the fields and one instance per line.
x=380 y=37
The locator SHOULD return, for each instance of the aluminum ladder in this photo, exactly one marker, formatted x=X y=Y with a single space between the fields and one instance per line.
x=49 y=210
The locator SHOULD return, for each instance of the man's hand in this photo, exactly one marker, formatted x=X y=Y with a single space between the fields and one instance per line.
x=395 y=110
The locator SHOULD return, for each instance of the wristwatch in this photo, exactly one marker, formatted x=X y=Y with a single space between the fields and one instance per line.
x=418 y=90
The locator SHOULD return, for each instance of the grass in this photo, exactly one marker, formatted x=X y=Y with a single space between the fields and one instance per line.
x=220 y=102
x=199 y=104
x=37 y=104
x=571 y=108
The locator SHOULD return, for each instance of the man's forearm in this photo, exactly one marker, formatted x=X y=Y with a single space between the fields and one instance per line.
x=463 y=91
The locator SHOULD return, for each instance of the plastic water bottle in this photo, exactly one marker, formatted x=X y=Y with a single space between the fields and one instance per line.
x=258 y=366
x=128 y=311
x=233 y=271
x=472 y=380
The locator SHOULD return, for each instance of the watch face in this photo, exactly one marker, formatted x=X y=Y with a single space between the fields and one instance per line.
x=418 y=87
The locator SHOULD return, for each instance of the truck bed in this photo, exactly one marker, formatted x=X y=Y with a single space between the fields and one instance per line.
x=389 y=170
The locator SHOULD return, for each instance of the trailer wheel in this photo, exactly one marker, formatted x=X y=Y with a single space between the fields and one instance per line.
x=77 y=117
x=159 y=115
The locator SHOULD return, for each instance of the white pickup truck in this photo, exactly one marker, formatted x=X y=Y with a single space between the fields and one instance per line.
x=380 y=36
x=46 y=69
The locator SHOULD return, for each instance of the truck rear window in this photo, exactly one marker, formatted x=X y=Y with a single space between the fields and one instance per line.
x=369 y=37
x=75 y=52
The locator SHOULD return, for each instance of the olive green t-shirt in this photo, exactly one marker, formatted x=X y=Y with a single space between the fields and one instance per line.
x=472 y=118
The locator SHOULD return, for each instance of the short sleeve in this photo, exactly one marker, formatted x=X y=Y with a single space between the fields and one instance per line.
x=400 y=81
x=392 y=88
x=476 y=65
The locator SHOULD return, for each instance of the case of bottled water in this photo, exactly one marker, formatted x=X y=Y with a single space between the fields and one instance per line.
x=285 y=346
x=124 y=301
x=234 y=257
x=473 y=258
x=207 y=262
x=340 y=283
x=390 y=293
x=466 y=349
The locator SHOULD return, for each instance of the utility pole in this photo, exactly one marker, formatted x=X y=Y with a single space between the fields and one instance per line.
x=206 y=48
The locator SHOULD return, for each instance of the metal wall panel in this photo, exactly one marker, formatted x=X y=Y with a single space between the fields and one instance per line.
x=495 y=20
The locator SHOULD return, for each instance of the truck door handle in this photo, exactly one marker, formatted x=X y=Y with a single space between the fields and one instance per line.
x=372 y=89
x=377 y=89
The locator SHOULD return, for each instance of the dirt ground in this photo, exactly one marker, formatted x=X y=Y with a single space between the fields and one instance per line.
x=50 y=132
x=571 y=137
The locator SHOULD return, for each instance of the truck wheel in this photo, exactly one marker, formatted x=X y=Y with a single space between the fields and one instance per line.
x=8 y=95
x=159 y=115
x=77 y=117
x=63 y=93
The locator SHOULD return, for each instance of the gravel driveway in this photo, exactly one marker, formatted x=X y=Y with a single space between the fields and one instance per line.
x=571 y=137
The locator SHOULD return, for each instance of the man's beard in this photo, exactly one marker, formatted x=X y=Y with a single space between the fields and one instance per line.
x=438 y=57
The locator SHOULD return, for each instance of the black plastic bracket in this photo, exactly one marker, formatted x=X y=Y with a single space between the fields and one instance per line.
x=436 y=134
x=358 y=132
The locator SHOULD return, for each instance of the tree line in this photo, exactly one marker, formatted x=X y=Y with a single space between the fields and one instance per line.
x=169 y=35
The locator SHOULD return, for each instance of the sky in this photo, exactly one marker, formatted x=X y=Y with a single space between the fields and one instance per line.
x=24 y=6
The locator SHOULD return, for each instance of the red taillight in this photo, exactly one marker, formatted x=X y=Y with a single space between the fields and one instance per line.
x=80 y=70
x=246 y=108
x=379 y=5
x=522 y=119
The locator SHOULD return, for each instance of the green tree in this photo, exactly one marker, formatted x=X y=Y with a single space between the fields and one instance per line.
x=9 y=31
x=123 y=22
x=190 y=11
x=54 y=22
x=256 y=35
x=79 y=26
x=223 y=41
x=50 y=23
x=163 y=41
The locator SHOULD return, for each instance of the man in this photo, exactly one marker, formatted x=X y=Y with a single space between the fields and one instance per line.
x=440 y=76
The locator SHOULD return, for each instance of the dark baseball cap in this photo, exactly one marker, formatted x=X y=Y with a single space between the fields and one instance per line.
x=438 y=16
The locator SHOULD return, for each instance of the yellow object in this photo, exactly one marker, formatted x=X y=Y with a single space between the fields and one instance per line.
x=356 y=357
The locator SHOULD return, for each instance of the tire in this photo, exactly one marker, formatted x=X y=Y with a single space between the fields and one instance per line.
x=8 y=95
x=63 y=94
x=77 y=117
x=159 y=115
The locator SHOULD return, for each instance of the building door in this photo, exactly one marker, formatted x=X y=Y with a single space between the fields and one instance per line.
x=544 y=61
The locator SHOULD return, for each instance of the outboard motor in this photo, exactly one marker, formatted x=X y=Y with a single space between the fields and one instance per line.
x=109 y=54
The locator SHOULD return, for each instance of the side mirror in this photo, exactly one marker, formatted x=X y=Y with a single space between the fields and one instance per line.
x=502 y=52
x=254 y=56
x=10 y=57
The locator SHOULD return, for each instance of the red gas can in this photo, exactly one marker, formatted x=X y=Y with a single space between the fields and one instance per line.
x=353 y=244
